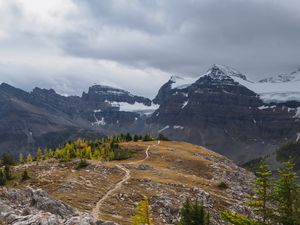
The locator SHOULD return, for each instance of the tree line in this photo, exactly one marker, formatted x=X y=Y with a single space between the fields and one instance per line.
x=103 y=149
x=106 y=148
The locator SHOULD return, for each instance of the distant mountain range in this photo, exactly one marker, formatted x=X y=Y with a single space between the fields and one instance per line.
x=221 y=110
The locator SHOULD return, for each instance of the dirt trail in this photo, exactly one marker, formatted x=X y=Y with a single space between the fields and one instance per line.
x=96 y=211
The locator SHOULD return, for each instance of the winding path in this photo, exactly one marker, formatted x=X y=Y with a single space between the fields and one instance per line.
x=96 y=211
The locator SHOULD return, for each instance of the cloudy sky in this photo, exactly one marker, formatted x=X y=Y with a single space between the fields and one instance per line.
x=69 y=45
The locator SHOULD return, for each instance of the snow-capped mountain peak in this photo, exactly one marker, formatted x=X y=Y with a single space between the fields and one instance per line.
x=221 y=71
x=217 y=72
x=181 y=82
x=281 y=88
x=282 y=78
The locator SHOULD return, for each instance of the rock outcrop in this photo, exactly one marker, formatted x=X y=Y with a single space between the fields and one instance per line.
x=35 y=207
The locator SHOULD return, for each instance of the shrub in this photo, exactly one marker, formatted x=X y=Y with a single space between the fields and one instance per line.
x=82 y=163
x=193 y=213
x=121 y=154
x=222 y=185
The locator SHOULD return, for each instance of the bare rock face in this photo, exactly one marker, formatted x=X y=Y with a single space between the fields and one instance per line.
x=44 y=118
x=35 y=207
x=101 y=93
x=219 y=112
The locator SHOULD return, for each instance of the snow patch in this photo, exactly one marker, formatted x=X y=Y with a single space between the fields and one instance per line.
x=297 y=115
x=165 y=128
x=298 y=137
x=99 y=122
x=136 y=107
x=266 y=107
x=182 y=82
x=294 y=76
x=273 y=92
x=184 y=104
x=178 y=127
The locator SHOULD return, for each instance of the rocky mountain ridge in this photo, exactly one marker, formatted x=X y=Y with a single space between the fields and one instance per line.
x=44 y=118
x=221 y=109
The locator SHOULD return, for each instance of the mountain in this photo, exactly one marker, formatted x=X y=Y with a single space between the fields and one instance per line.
x=166 y=172
x=115 y=107
x=43 y=118
x=283 y=78
x=221 y=109
x=225 y=111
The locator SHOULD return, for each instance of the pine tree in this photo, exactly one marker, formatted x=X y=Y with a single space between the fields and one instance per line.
x=7 y=172
x=25 y=175
x=287 y=195
x=193 y=214
x=2 y=178
x=162 y=137
x=7 y=159
x=135 y=138
x=261 y=201
x=282 y=207
x=147 y=137
x=143 y=216
x=128 y=137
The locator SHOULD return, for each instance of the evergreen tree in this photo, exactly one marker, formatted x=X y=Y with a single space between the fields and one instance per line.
x=128 y=137
x=261 y=201
x=2 y=178
x=193 y=214
x=135 y=138
x=162 y=137
x=287 y=195
x=7 y=172
x=143 y=216
x=7 y=159
x=147 y=137
x=279 y=205
x=25 y=175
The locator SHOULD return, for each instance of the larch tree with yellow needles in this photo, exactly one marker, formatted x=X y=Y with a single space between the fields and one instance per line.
x=143 y=215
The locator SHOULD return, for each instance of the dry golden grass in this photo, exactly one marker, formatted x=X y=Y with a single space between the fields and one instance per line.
x=175 y=168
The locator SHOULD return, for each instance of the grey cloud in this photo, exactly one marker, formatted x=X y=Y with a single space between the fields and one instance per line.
x=115 y=42
x=256 y=36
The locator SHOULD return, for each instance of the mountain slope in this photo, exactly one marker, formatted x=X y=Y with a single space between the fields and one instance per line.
x=166 y=172
x=220 y=110
x=43 y=118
